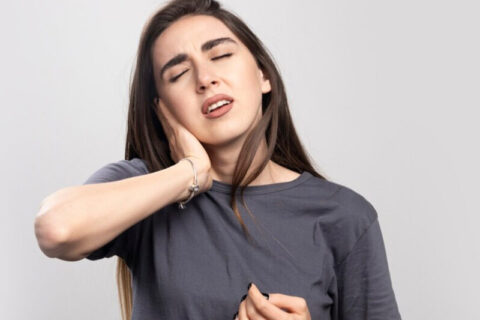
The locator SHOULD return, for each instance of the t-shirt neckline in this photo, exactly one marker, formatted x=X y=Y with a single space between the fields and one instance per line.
x=223 y=187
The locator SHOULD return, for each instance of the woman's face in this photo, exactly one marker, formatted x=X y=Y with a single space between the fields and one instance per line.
x=202 y=75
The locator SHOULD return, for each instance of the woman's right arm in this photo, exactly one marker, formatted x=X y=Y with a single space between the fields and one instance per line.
x=75 y=221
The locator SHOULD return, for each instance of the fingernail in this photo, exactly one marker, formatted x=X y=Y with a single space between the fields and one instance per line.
x=266 y=295
x=243 y=298
x=235 y=315
x=249 y=285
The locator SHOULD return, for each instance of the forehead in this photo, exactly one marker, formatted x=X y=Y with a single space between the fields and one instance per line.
x=189 y=33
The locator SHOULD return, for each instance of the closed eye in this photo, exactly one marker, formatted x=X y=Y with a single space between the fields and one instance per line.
x=225 y=55
x=215 y=58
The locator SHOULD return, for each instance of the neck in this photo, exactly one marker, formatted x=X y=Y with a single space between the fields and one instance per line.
x=224 y=158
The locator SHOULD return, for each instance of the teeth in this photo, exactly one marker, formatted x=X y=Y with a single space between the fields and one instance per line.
x=214 y=106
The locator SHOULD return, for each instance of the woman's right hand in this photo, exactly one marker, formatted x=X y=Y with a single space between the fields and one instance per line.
x=184 y=144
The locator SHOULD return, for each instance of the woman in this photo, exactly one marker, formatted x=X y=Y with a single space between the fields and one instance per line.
x=209 y=124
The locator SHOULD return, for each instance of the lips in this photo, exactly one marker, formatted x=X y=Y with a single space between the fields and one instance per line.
x=214 y=99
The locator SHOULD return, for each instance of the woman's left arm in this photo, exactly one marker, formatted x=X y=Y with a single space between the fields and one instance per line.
x=363 y=280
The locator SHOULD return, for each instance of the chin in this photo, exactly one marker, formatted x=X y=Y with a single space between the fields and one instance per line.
x=228 y=132
x=224 y=139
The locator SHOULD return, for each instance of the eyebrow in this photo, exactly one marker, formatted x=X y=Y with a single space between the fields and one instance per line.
x=181 y=57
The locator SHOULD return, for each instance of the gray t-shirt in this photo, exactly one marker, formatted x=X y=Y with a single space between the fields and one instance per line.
x=315 y=239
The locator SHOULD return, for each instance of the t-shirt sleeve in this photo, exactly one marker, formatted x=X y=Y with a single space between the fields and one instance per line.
x=363 y=285
x=125 y=243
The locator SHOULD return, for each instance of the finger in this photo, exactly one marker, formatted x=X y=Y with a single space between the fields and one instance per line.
x=242 y=312
x=292 y=304
x=251 y=310
x=264 y=307
x=162 y=113
x=250 y=306
x=167 y=123
x=167 y=113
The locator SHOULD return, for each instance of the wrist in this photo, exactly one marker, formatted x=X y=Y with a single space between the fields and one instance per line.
x=193 y=187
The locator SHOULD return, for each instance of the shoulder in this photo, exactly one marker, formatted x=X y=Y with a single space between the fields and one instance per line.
x=118 y=170
x=355 y=206
x=343 y=216
x=347 y=202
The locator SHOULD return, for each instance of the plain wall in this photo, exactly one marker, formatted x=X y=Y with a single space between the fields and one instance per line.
x=385 y=96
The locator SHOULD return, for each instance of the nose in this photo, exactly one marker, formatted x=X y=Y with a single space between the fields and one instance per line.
x=205 y=78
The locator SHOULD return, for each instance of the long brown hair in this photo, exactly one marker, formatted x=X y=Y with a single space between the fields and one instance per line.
x=146 y=138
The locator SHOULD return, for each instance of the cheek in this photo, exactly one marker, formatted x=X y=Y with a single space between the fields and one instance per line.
x=180 y=105
x=187 y=113
x=185 y=116
x=246 y=80
x=250 y=89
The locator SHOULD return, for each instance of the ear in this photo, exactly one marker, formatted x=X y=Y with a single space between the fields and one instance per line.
x=265 y=82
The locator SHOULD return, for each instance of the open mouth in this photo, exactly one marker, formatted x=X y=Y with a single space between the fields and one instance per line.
x=219 y=110
x=219 y=105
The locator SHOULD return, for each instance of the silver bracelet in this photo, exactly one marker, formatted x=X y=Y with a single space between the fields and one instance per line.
x=193 y=188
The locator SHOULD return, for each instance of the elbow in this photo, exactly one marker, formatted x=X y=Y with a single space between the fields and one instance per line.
x=52 y=228
x=52 y=237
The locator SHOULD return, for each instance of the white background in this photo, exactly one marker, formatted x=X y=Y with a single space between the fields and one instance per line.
x=385 y=96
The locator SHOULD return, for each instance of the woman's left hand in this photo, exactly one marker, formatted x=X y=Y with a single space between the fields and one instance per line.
x=276 y=307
